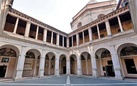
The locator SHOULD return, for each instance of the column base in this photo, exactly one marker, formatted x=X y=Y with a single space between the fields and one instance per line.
x=119 y=78
x=18 y=78
x=95 y=74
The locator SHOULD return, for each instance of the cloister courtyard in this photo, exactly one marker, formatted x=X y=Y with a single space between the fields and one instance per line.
x=71 y=80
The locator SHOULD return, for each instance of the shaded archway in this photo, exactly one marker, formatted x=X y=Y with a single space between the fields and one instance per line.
x=104 y=63
x=49 y=64
x=128 y=56
x=86 y=63
x=73 y=64
x=31 y=64
x=8 y=61
x=62 y=65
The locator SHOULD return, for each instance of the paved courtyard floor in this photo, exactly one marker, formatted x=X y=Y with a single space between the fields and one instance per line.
x=70 y=81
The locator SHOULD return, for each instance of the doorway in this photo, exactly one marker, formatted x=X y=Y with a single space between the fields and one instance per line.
x=130 y=66
x=3 y=71
x=109 y=71
x=64 y=69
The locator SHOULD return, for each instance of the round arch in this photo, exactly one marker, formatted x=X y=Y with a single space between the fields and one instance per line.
x=49 y=68
x=86 y=63
x=128 y=58
x=8 y=54
x=62 y=64
x=31 y=64
x=104 y=62
x=73 y=64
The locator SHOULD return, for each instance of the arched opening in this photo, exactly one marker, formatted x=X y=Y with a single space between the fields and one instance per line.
x=8 y=61
x=31 y=64
x=73 y=64
x=49 y=64
x=104 y=63
x=128 y=56
x=86 y=64
x=62 y=64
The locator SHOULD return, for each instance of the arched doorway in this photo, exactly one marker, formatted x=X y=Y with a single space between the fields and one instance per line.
x=62 y=64
x=50 y=64
x=73 y=64
x=31 y=64
x=8 y=61
x=128 y=56
x=86 y=64
x=104 y=63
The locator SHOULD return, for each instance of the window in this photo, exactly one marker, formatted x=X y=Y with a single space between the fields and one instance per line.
x=79 y=25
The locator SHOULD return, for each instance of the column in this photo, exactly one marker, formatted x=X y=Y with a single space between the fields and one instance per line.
x=42 y=63
x=63 y=41
x=77 y=39
x=37 y=32
x=20 y=63
x=120 y=25
x=101 y=67
x=57 y=65
x=68 y=66
x=67 y=41
x=57 y=39
x=83 y=37
x=90 y=34
x=94 y=64
x=98 y=32
x=86 y=66
x=108 y=28
x=133 y=12
x=45 y=35
x=72 y=40
x=116 y=63
x=35 y=67
x=27 y=29
x=51 y=37
x=49 y=66
x=16 y=25
x=79 y=66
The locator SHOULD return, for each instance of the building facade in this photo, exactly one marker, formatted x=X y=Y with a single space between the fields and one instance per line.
x=105 y=46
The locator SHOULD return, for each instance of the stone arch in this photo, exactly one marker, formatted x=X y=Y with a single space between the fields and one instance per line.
x=104 y=62
x=8 y=54
x=31 y=64
x=86 y=63
x=128 y=58
x=16 y=49
x=49 y=67
x=73 y=64
x=62 y=64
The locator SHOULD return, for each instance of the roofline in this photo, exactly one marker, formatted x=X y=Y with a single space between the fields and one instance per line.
x=89 y=4
x=119 y=4
x=36 y=21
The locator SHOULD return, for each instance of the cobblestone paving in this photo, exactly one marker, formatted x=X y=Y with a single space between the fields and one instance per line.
x=74 y=81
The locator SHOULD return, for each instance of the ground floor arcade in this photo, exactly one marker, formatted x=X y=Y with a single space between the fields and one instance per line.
x=106 y=62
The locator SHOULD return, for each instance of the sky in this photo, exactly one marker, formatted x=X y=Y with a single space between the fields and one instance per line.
x=56 y=13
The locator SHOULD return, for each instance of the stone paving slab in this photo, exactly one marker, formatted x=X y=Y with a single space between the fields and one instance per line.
x=46 y=80
x=89 y=80
x=69 y=81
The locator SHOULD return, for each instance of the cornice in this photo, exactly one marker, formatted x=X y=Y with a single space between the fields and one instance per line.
x=104 y=18
x=14 y=11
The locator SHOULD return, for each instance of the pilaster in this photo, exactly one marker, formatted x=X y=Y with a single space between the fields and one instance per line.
x=42 y=63
x=116 y=63
x=79 y=72
x=57 y=65
x=20 y=63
